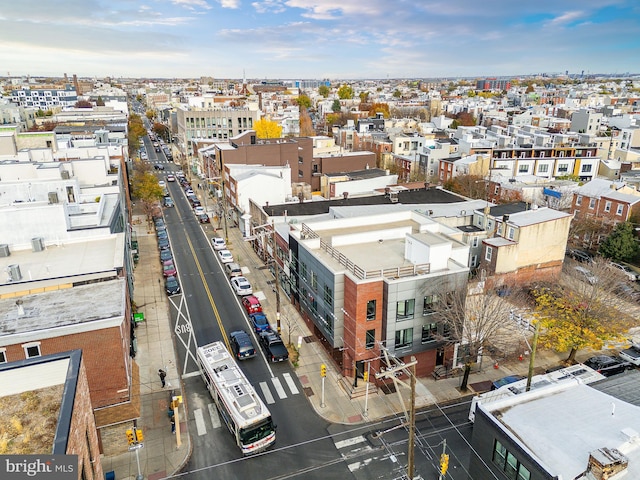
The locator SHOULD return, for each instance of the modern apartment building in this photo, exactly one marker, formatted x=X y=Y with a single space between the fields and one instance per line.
x=45 y=98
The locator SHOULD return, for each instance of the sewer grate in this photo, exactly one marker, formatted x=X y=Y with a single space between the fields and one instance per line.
x=308 y=339
x=308 y=391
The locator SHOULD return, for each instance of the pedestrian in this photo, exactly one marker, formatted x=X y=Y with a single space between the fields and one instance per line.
x=173 y=425
x=162 y=374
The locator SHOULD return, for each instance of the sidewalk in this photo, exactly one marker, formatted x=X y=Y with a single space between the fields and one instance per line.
x=338 y=406
x=160 y=456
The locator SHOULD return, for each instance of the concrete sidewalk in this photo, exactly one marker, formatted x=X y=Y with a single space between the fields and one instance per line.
x=160 y=456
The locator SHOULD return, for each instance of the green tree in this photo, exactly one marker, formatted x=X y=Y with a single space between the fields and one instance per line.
x=145 y=187
x=135 y=131
x=324 y=91
x=266 y=128
x=364 y=97
x=379 y=107
x=304 y=101
x=397 y=93
x=150 y=114
x=336 y=107
x=345 y=92
x=621 y=244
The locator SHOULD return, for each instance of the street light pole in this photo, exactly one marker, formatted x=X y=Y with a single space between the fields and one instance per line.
x=277 y=274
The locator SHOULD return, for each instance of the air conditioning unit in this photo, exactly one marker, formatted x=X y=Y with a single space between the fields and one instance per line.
x=4 y=250
x=37 y=244
x=14 y=273
x=65 y=174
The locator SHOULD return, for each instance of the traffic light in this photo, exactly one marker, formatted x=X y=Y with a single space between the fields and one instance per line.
x=444 y=463
x=323 y=370
x=130 y=436
x=139 y=435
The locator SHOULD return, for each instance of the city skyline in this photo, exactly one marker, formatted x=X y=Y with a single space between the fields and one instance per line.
x=318 y=39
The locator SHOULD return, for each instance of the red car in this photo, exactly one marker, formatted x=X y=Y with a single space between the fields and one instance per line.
x=169 y=269
x=251 y=304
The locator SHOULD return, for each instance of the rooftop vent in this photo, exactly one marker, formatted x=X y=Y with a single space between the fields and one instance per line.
x=37 y=244
x=14 y=273
x=4 y=250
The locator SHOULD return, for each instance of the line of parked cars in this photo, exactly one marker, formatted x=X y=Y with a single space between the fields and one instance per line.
x=169 y=271
x=240 y=341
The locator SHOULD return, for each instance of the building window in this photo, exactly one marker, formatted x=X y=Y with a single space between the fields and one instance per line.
x=563 y=168
x=523 y=168
x=3 y=355
x=328 y=296
x=488 y=254
x=429 y=332
x=544 y=168
x=404 y=338
x=474 y=242
x=429 y=304
x=586 y=168
x=607 y=206
x=579 y=200
x=619 y=209
x=474 y=261
x=511 y=233
x=508 y=463
x=303 y=271
x=405 y=309
x=31 y=349
x=314 y=280
x=370 y=340
x=592 y=203
x=371 y=310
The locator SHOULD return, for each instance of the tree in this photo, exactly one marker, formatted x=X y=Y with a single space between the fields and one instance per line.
x=336 y=107
x=162 y=131
x=586 y=230
x=306 y=125
x=324 y=91
x=136 y=130
x=304 y=101
x=345 y=92
x=266 y=128
x=145 y=187
x=470 y=186
x=83 y=104
x=397 y=93
x=476 y=322
x=621 y=244
x=100 y=102
x=364 y=97
x=583 y=311
x=150 y=114
x=379 y=107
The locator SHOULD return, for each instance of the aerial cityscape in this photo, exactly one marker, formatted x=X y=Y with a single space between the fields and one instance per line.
x=294 y=239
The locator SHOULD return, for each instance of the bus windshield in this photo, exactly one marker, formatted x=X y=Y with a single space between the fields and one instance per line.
x=256 y=432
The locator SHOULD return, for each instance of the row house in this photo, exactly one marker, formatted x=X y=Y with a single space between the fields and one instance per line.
x=610 y=201
x=523 y=244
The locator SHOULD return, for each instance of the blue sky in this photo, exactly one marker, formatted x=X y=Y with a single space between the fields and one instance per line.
x=335 y=39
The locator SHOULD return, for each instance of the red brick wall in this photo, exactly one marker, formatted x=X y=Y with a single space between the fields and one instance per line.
x=103 y=351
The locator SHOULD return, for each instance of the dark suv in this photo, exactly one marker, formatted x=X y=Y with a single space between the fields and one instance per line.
x=580 y=255
x=242 y=345
x=607 y=365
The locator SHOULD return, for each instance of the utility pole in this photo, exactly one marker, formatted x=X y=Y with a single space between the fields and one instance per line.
x=532 y=357
x=277 y=274
x=411 y=416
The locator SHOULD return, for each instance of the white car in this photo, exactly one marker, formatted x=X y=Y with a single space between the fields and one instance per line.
x=241 y=286
x=586 y=275
x=171 y=178
x=225 y=256
x=631 y=275
x=199 y=211
x=161 y=183
x=218 y=243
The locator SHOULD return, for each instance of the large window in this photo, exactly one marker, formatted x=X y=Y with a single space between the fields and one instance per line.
x=405 y=309
x=508 y=463
x=404 y=338
x=303 y=271
x=619 y=209
x=314 y=280
x=429 y=332
x=488 y=254
x=371 y=310
x=328 y=296
x=429 y=304
x=370 y=340
x=31 y=349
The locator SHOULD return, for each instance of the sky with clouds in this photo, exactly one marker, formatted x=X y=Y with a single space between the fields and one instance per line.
x=335 y=39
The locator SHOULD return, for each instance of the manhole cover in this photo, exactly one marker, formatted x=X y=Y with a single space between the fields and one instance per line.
x=308 y=391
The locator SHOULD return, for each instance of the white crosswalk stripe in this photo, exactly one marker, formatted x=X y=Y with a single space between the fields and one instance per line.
x=213 y=414
x=200 y=426
x=278 y=386
x=267 y=393
x=290 y=383
x=358 y=452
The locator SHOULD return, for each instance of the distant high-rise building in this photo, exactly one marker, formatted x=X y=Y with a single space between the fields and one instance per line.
x=493 y=84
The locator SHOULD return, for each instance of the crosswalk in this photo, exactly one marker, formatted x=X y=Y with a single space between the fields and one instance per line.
x=274 y=386
x=359 y=454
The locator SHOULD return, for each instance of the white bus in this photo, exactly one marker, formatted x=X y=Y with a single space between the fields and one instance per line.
x=244 y=413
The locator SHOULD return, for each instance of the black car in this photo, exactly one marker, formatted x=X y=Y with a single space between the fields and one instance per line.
x=204 y=218
x=158 y=166
x=163 y=243
x=607 y=365
x=580 y=255
x=172 y=286
x=242 y=345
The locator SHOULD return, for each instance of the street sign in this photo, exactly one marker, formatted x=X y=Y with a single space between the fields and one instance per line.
x=136 y=446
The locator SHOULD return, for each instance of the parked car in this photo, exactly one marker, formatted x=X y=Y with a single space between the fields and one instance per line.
x=163 y=243
x=159 y=222
x=198 y=210
x=251 y=304
x=168 y=202
x=626 y=290
x=172 y=286
x=630 y=274
x=260 y=322
x=586 y=275
x=232 y=269
x=171 y=178
x=631 y=354
x=218 y=243
x=242 y=345
x=241 y=286
x=162 y=184
x=169 y=269
x=162 y=234
x=607 y=365
x=165 y=255
x=274 y=347
x=225 y=256
x=501 y=382
x=580 y=255
x=204 y=218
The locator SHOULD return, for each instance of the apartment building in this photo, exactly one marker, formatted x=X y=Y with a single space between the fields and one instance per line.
x=45 y=98
x=610 y=201
x=371 y=282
